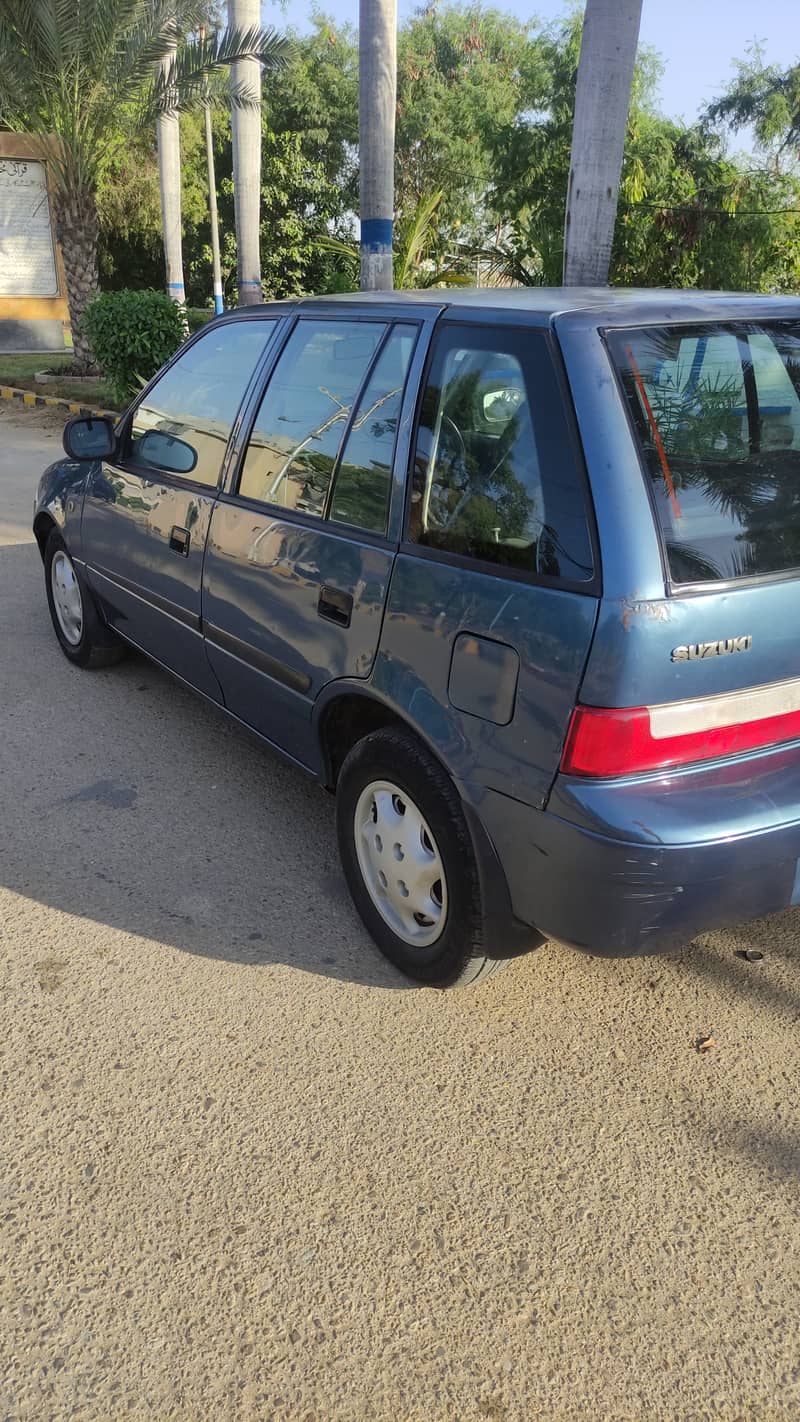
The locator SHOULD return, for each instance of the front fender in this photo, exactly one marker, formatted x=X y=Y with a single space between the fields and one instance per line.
x=59 y=501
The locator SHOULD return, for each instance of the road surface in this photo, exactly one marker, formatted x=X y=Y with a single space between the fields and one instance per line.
x=247 y=1172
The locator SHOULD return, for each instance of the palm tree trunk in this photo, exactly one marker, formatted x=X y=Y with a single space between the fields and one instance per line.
x=377 y=94
x=77 y=230
x=169 y=177
x=246 y=135
x=602 y=100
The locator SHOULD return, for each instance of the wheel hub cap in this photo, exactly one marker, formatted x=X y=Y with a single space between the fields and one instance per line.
x=67 y=598
x=400 y=863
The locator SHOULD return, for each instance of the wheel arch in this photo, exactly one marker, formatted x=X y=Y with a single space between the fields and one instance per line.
x=343 y=717
x=347 y=713
x=43 y=526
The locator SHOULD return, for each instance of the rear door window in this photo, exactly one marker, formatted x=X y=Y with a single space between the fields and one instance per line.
x=495 y=477
x=305 y=411
x=717 y=414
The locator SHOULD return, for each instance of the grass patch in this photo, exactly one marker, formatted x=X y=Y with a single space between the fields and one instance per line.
x=19 y=371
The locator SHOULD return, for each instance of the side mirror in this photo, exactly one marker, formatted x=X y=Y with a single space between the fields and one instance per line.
x=165 y=451
x=90 y=437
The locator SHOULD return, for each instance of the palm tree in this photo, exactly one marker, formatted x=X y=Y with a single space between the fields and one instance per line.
x=194 y=75
x=377 y=94
x=602 y=99
x=246 y=132
x=67 y=73
x=75 y=77
x=169 y=177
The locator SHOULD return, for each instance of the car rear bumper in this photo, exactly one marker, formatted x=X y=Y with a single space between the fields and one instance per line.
x=621 y=870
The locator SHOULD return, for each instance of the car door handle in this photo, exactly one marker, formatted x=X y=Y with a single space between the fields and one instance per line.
x=335 y=606
x=179 y=541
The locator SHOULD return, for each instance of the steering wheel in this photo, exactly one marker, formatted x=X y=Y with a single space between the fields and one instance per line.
x=447 y=420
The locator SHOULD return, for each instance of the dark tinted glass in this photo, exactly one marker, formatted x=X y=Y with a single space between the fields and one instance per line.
x=302 y=418
x=363 y=481
x=717 y=412
x=197 y=399
x=494 y=472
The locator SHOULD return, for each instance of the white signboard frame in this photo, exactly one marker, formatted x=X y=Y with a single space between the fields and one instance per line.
x=27 y=250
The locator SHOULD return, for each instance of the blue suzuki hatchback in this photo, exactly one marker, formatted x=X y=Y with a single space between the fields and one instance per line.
x=460 y=556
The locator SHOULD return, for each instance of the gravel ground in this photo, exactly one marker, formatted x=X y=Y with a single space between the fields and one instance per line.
x=246 y=1172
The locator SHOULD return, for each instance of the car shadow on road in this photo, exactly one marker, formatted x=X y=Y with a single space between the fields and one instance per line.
x=127 y=801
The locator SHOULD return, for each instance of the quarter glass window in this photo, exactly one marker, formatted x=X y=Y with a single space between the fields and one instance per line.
x=494 y=471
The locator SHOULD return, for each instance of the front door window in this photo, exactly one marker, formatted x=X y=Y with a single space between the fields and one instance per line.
x=183 y=424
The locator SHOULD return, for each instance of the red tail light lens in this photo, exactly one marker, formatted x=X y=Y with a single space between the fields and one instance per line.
x=607 y=741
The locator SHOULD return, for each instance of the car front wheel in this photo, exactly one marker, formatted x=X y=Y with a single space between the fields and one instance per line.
x=409 y=861
x=83 y=637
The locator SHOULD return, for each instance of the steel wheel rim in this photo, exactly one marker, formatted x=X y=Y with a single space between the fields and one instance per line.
x=400 y=863
x=67 y=598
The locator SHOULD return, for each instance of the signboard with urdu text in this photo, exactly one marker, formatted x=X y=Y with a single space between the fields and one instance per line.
x=27 y=256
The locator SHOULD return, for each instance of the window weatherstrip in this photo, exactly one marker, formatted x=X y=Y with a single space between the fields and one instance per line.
x=326 y=508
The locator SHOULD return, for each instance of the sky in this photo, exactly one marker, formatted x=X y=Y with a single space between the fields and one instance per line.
x=697 y=39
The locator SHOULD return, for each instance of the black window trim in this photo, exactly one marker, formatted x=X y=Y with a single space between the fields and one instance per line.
x=230 y=492
x=590 y=587
x=390 y=329
x=672 y=587
x=169 y=477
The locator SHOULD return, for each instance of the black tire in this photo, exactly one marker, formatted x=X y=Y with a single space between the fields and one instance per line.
x=96 y=646
x=460 y=955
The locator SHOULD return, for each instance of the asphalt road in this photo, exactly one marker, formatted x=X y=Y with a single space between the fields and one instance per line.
x=247 y=1172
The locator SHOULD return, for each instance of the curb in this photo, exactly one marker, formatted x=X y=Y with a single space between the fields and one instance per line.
x=29 y=397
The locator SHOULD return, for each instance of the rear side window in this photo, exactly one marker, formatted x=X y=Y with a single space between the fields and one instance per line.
x=494 y=473
x=717 y=414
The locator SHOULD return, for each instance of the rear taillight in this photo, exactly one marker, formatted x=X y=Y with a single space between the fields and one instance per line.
x=604 y=741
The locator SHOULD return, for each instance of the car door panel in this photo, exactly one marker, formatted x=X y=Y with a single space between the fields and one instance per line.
x=146 y=516
x=298 y=564
x=270 y=645
x=149 y=591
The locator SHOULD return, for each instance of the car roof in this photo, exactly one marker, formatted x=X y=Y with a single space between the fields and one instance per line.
x=599 y=306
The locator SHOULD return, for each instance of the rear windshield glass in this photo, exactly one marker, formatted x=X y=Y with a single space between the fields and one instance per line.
x=717 y=412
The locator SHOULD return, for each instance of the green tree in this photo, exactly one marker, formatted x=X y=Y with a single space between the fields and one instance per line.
x=466 y=79
x=80 y=79
x=298 y=199
x=766 y=98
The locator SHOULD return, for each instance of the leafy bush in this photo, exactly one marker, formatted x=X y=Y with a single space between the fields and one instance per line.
x=132 y=334
x=197 y=316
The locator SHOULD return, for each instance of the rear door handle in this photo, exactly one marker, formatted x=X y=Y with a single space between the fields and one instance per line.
x=179 y=541
x=336 y=606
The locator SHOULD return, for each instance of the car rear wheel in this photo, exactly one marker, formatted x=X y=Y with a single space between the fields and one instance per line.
x=409 y=861
x=83 y=637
